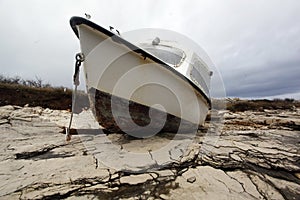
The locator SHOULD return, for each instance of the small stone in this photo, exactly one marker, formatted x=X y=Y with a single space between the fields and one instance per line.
x=165 y=173
x=147 y=192
x=3 y=121
x=297 y=175
x=8 y=107
x=22 y=119
x=135 y=179
x=191 y=179
x=17 y=107
x=236 y=157
x=163 y=196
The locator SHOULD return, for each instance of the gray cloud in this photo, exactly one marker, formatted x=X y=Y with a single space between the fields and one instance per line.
x=255 y=44
x=275 y=79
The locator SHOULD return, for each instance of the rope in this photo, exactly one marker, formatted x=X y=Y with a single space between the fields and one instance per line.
x=79 y=59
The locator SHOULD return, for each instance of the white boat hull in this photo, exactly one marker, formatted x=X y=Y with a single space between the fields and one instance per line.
x=112 y=69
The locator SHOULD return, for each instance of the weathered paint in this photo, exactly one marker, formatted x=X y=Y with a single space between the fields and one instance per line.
x=101 y=103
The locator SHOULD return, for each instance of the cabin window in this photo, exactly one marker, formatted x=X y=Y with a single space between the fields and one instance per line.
x=199 y=80
x=170 y=56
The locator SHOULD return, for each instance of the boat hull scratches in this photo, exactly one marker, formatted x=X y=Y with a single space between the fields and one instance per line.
x=138 y=122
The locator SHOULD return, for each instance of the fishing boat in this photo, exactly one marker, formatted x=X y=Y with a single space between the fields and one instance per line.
x=154 y=86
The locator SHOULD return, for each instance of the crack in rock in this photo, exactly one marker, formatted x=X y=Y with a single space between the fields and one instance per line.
x=251 y=157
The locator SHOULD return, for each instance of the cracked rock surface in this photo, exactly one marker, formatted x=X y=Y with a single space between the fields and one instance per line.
x=244 y=155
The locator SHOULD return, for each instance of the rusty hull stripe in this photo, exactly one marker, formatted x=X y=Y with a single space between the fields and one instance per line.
x=101 y=104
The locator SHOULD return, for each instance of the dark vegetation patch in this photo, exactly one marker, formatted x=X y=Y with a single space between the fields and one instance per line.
x=238 y=105
x=16 y=91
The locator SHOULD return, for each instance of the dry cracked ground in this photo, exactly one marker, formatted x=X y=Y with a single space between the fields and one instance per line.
x=247 y=155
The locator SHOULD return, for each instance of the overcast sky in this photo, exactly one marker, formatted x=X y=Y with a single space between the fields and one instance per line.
x=255 y=44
